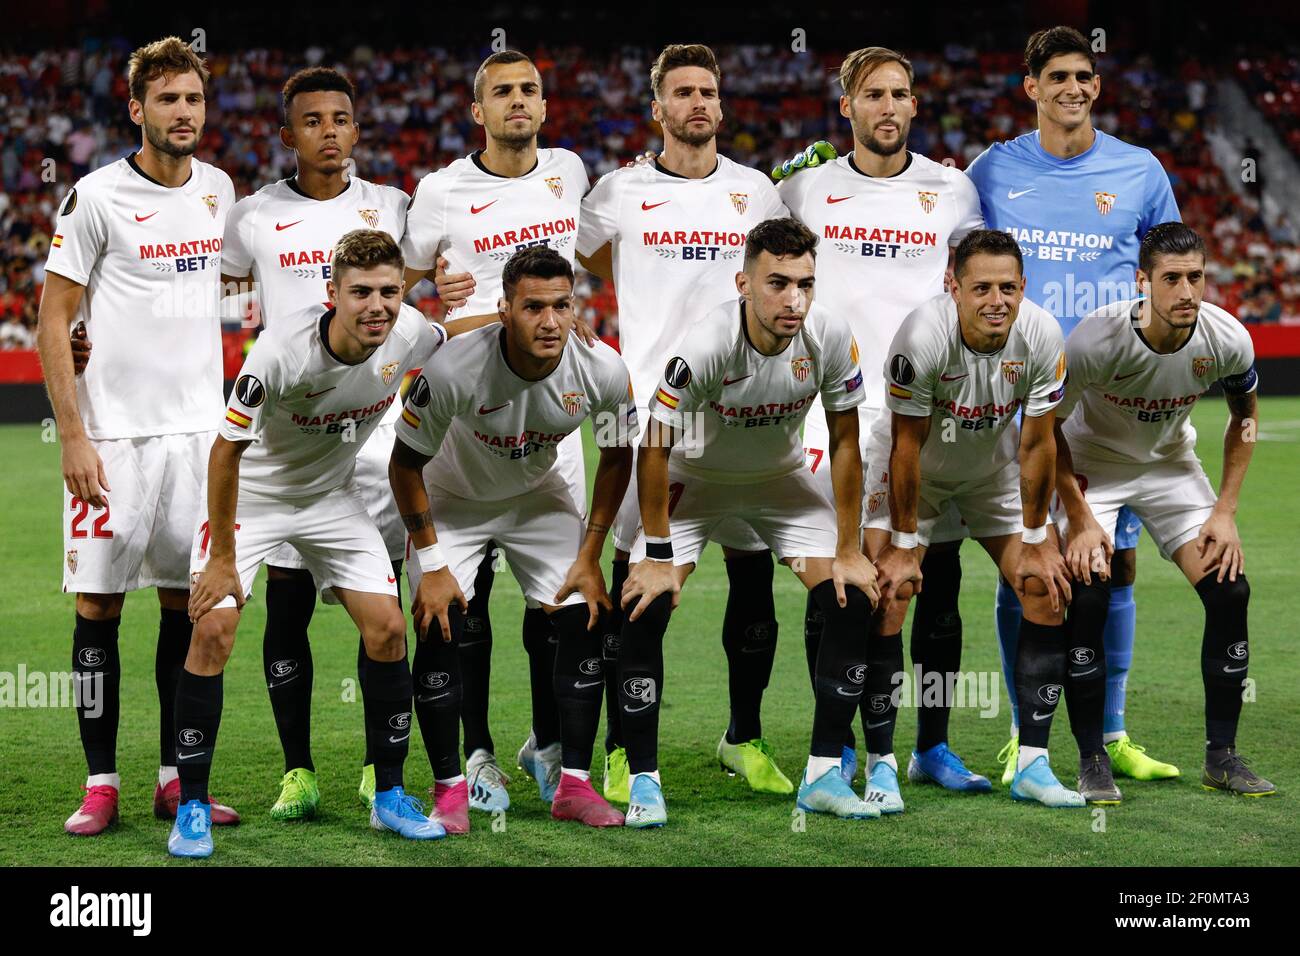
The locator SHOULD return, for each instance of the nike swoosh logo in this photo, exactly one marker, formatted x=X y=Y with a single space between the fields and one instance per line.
x=397 y=740
x=754 y=650
x=1038 y=716
x=471 y=643
x=1012 y=194
x=321 y=392
x=594 y=683
x=840 y=691
x=140 y=218
x=733 y=381
x=392 y=580
x=475 y=210
x=646 y=207
x=1086 y=673
x=952 y=378
x=830 y=200
x=280 y=228
x=281 y=683
x=188 y=756
x=488 y=411
x=874 y=726
x=431 y=697
x=1235 y=670
x=636 y=710
x=1120 y=378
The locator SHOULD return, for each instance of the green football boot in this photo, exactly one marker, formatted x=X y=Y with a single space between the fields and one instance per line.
x=1008 y=756
x=616 y=787
x=753 y=761
x=299 y=796
x=367 y=789
x=1128 y=759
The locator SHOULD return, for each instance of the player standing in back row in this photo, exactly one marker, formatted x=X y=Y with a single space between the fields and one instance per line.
x=465 y=223
x=888 y=219
x=283 y=237
x=671 y=235
x=136 y=255
x=1078 y=201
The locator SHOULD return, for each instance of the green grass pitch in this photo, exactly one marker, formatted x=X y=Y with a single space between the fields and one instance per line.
x=713 y=818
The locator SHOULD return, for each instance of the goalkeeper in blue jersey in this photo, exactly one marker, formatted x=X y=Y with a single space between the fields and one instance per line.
x=1079 y=202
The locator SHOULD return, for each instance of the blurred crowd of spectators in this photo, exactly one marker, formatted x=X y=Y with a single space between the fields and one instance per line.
x=69 y=106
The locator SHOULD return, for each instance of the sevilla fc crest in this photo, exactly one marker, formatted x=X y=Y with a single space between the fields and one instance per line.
x=388 y=372
x=802 y=367
x=572 y=402
x=556 y=185
x=1201 y=365
x=874 y=501
x=927 y=200
x=370 y=217
x=72 y=561
x=211 y=203
x=1105 y=202
x=1012 y=370
x=740 y=201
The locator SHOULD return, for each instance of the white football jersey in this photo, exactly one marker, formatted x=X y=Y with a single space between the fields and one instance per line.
x=285 y=239
x=149 y=257
x=883 y=245
x=478 y=220
x=1128 y=403
x=493 y=435
x=974 y=397
x=751 y=405
x=678 y=244
x=308 y=412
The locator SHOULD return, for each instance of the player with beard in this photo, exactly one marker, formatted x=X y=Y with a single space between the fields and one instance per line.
x=1079 y=202
x=670 y=234
x=136 y=256
x=464 y=224
x=889 y=219
x=279 y=242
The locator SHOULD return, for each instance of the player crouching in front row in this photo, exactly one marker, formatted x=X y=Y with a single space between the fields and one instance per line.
x=278 y=474
x=487 y=417
x=1136 y=369
x=749 y=371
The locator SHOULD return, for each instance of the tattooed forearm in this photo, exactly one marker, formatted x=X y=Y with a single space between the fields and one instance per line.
x=417 y=522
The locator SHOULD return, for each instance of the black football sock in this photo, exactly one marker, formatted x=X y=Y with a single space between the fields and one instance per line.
x=936 y=645
x=641 y=682
x=362 y=657
x=840 y=668
x=287 y=662
x=613 y=640
x=476 y=660
x=880 y=694
x=437 y=684
x=1225 y=656
x=198 y=717
x=541 y=643
x=1040 y=674
x=95 y=663
x=813 y=622
x=387 y=696
x=749 y=630
x=174 y=630
x=578 y=681
x=1085 y=664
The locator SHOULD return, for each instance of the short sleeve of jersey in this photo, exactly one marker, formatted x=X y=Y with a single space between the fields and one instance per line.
x=774 y=206
x=400 y=204
x=1240 y=376
x=977 y=172
x=911 y=368
x=1159 y=204
x=842 y=381
x=684 y=385
x=80 y=235
x=237 y=244
x=615 y=405
x=428 y=412
x=261 y=382
x=1081 y=367
x=426 y=224
x=969 y=214
x=1047 y=380
x=598 y=223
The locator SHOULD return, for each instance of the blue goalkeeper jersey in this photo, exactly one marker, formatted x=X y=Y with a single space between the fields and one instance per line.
x=1079 y=221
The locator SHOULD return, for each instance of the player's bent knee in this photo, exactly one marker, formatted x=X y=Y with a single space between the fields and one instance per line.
x=214 y=639
x=386 y=639
x=1224 y=596
x=100 y=607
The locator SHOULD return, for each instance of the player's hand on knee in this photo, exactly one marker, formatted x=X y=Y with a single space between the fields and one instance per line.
x=855 y=569
x=1043 y=562
x=217 y=581
x=454 y=288
x=437 y=592
x=83 y=472
x=896 y=568
x=585 y=578
x=645 y=582
x=1088 y=552
x=1220 y=545
x=80 y=349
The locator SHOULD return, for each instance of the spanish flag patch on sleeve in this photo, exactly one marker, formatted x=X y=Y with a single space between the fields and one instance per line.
x=665 y=399
x=410 y=418
x=898 y=391
x=57 y=240
x=238 y=419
